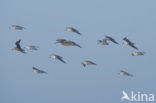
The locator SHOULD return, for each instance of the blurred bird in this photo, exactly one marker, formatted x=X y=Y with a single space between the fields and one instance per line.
x=16 y=27
x=67 y=43
x=125 y=73
x=31 y=47
x=18 y=47
x=71 y=29
x=54 y=56
x=103 y=42
x=38 y=71
x=60 y=40
x=128 y=42
x=108 y=38
x=84 y=63
x=137 y=53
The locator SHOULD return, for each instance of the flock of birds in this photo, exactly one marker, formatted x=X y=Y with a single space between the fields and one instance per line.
x=64 y=42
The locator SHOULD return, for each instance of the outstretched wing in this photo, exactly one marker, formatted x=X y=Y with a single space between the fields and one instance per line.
x=90 y=62
x=73 y=43
x=128 y=74
x=19 y=47
x=18 y=44
x=38 y=71
x=132 y=45
x=60 y=58
x=113 y=40
x=76 y=31
x=34 y=68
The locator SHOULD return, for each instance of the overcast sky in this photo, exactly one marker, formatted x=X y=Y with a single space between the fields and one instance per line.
x=46 y=20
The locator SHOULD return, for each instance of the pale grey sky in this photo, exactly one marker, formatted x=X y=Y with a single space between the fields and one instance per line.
x=46 y=20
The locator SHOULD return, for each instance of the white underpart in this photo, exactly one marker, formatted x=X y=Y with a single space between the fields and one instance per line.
x=69 y=29
x=125 y=42
x=53 y=56
x=138 y=53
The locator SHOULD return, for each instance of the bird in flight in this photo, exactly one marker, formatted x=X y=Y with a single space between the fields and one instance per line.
x=84 y=63
x=128 y=42
x=102 y=42
x=71 y=29
x=67 y=43
x=31 y=47
x=18 y=47
x=38 y=71
x=108 y=38
x=54 y=56
x=137 y=53
x=16 y=27
x=125 y=73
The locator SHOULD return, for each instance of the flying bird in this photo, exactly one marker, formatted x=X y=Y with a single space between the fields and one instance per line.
x=31 y=47
x=108 y=38
x=71 y=29
x=36 y=70
x=84 y=63
x=137 y=53
x=128 y=42
x=103 y=42
x=18 y=47
x=125 y=96
x=16 y=27
x=54 y=56
x=125 y=73
x=67 y=43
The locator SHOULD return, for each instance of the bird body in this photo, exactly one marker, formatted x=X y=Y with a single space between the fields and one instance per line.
x=128 y=42
x=103 y=42
x=137 y=53
x=38 y=71
x=31 y=47
x=108 y=38
x=18 y=47
x=125 y=73
x=17 y=27
x=54 y=56
x=67 y=43
x=84 y=63
x=71 y=29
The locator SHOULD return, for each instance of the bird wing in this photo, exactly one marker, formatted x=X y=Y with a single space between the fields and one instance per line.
x=41 y=71
x=60 y=58
x=132 y=45
x=20 y=27
x=34 y=68
x=92 y=63
x=18 y=44
x=73 y=43
x=76 y=31
x=113 y=40
x=128 y=74
x=19 y=47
